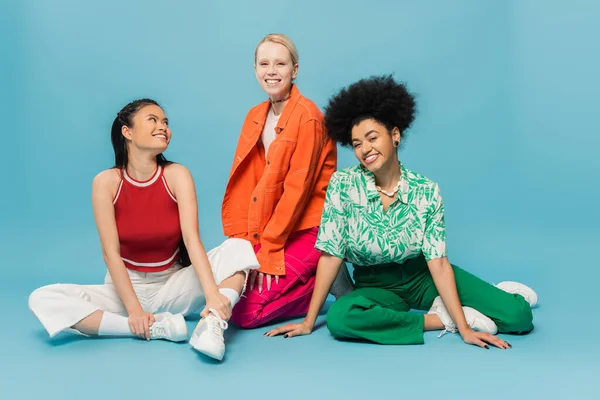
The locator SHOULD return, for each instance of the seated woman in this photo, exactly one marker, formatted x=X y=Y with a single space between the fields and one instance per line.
x=276 y=189
x=147 y=216
x=389 y=222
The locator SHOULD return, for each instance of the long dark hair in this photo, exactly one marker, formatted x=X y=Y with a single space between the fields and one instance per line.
x=125 y=118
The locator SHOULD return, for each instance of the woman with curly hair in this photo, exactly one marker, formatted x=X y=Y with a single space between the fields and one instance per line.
x=389 y=223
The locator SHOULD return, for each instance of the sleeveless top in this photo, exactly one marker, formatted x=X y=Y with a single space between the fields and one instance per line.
x=147 y=222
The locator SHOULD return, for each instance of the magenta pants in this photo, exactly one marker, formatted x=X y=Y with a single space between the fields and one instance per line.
x=291 y=296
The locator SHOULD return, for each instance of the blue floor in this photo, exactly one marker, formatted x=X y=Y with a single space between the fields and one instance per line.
x=558 y=360
x=507 y=126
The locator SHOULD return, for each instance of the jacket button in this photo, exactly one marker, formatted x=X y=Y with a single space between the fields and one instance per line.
x=268 y=162
x=254 y=199
x=255 y=236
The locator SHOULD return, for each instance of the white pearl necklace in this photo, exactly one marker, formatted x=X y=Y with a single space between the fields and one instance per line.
x=392 y=193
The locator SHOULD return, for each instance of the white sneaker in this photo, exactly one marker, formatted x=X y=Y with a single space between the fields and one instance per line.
x=476 y=320
x=519 y=288
x=207 y=337
x=169 y=327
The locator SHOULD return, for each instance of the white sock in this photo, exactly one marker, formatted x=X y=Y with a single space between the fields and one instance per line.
x=114 y=325
x=231 y=294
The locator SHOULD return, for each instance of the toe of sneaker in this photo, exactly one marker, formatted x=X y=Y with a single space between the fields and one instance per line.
x=209 y=351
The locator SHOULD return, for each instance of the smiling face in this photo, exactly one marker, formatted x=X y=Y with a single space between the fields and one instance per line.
x=374 y=146
x=275 y=70
x=149 y=131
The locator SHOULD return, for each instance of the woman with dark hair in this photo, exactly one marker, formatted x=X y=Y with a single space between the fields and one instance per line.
x=147 y=218
x=389 y=223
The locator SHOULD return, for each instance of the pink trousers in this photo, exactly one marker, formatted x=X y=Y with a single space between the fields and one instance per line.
x=291 y=296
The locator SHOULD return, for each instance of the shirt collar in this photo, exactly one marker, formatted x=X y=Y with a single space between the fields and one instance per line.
x=372 y=192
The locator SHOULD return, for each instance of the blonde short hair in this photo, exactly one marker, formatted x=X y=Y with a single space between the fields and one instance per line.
x=283 y=40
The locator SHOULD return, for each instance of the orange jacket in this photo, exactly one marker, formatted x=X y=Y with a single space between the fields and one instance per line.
x=267 y=198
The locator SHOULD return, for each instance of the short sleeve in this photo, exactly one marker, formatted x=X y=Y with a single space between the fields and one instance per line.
x=434 y=238
x=333 y=231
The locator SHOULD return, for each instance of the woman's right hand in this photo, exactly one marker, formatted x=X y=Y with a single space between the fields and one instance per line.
x=289 y=330
x=482 y=339
x=140 y=323
x=327 y=270
x=218 y=303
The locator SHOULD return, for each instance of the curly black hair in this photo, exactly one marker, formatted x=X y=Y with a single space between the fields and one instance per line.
x=378 y=97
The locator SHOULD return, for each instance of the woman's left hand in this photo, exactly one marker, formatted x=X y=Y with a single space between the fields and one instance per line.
x=261 y=277
x=482 y=339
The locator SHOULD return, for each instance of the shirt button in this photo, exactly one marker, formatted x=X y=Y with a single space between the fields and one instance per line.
x=278 y=130
x=255 y=236
x=254 y=199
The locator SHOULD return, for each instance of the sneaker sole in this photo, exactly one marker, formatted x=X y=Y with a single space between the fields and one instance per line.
x=206 y=352
x=180 y=323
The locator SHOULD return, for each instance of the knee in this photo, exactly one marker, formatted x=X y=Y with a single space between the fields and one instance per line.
x=39 y=296
x=518 y=318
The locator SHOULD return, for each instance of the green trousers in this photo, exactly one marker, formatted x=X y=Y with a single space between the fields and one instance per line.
x=378 y=309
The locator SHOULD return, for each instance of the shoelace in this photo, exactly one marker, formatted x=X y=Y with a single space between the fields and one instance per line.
x=447 y=330
x=454 y=330
x=158 y=330
x=218 y=325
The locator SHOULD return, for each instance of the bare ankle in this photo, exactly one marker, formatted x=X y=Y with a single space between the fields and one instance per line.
x=433 y=322
x=90 y=324
x=235 y=282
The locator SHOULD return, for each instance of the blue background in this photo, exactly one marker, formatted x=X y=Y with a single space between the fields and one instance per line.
x=508 y=98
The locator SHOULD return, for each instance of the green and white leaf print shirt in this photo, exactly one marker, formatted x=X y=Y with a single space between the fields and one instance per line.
x=355 y=227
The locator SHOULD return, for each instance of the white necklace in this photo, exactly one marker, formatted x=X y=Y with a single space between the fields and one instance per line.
x=393 y=192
